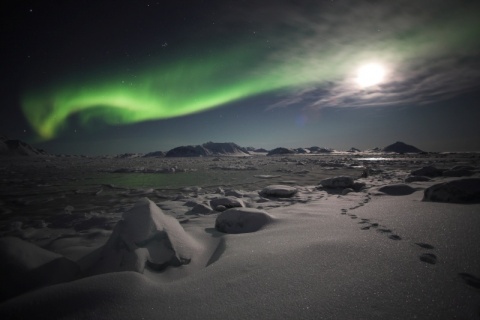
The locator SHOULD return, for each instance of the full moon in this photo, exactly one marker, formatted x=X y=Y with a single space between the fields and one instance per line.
x=370 y=75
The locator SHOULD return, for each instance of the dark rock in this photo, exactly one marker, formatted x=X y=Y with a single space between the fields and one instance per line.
x=358 y=186
x=201 y=208
x=456 y=191
x=417 y=178
x=428 y=171
x=242 y=220
x=227 y=202
x=338 y=182
x=278 y=191
x=458 y=173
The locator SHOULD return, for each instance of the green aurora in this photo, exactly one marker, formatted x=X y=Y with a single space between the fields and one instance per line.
x=183 y=88
x=189 y=85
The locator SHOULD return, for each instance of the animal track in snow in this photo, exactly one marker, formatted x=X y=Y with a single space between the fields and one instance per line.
x=470 y=279
x=428 y=258
x=424 y=245
x=394 y=237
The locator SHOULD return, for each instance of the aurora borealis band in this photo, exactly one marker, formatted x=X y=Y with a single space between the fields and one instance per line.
x=184 y=87
x=93 y=70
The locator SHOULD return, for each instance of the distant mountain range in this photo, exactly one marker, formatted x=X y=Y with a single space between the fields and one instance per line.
x=10 y=147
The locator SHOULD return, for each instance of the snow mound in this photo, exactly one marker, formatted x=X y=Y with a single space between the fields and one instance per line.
x=279 y=191
x=397 y=189
x=401 y=147
x=26 y=266
x=146 y=237
x=338 y=182
x=242 y=220
x=456 y=191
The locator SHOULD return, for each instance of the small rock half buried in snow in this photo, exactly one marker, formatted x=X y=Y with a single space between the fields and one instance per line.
x=397 y=189
x=242 y=220
x=337 y=182
x=227 y=202
x=279 y=190
x=456 y=191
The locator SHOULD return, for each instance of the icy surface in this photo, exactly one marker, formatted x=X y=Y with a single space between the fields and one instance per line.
x=323 y=253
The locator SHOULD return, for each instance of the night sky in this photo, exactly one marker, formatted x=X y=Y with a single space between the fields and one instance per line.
x=100 y=77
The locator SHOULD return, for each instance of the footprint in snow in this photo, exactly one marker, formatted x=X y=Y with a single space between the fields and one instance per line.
x=394 y=237
x=428 y=258
x=424 y=245
x=384 y=230
x=470 y=279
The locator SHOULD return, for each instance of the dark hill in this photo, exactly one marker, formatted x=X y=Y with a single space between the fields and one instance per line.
x=400 y=147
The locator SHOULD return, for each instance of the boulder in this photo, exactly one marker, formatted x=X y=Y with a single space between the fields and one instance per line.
x=227 y=202
x=417 y=178
x=460 y=172
x=397 y=189
x=338 y=182
x=358 y=186
x=428 y=171
x=201 y=208
x=242 y=220
x=456 y=191
x=347 y=191
x=278 y=191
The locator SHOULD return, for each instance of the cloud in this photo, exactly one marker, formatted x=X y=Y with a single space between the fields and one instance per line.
x=431 y=50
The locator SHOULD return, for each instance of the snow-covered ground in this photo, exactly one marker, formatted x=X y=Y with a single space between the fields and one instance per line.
x=208 y=238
